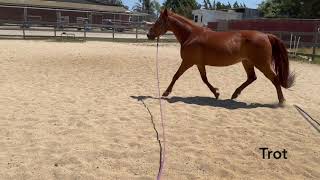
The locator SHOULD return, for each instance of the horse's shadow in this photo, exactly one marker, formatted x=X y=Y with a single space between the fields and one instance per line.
x=209 y=101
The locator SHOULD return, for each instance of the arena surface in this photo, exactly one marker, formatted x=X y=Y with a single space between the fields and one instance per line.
x=71 y=111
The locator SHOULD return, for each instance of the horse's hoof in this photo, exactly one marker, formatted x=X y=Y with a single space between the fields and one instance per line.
x=217 y=94
x=166 y=94
x=282 y=103
x=234 y=96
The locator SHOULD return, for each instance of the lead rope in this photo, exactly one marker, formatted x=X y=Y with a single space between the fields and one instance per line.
x=308 y=118
x=163 y=149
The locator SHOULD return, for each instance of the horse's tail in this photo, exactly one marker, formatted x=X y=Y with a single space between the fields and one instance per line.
x=281 y=62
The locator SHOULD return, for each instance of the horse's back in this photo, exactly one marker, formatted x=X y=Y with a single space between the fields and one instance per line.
x=242 y=36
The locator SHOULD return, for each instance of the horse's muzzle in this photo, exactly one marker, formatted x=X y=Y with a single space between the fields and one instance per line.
x=151 y=37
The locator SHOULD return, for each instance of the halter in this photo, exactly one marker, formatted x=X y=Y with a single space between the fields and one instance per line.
x=163 y=26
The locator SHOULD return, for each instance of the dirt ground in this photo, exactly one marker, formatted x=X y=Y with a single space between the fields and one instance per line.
x=72 y=111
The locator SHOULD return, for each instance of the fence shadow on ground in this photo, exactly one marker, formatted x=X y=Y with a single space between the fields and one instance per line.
x=209 y=101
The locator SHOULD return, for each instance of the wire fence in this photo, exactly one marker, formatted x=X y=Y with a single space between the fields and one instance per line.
x=301 y=45
x=130 y=31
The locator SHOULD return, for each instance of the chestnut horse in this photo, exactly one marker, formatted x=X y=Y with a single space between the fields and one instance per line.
x=201 y=46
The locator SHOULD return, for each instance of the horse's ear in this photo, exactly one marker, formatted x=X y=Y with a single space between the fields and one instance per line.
x=165 y=12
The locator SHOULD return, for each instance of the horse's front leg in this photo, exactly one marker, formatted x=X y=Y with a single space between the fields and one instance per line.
x=183 y=68
x=251 y=77
x=202 y=70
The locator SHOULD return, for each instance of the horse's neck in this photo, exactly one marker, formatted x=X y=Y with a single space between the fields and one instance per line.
x=181 y=29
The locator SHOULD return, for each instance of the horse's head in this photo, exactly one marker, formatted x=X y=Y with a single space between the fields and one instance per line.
x=160 y=27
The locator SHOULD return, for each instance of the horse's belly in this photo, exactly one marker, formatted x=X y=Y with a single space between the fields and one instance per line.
x=222 y=61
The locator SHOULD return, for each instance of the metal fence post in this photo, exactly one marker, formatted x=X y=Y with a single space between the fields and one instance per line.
x=113 y=26
x=84 y=32
x=113 y=31
x=315 y=36
x=25 y=21
x=137 y=33
x=23 y=31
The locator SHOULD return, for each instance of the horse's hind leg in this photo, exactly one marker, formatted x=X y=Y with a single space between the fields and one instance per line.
x=183 y=67
x=202 y=70
x=271 y=75
x=251 y=77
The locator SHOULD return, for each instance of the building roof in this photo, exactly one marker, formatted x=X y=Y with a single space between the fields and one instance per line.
x=97 y=2
x=63 y=5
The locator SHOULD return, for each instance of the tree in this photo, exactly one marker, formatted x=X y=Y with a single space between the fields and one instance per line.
x=219 y=5
x=139 y=6
x=228 y=6
x=157 y=7
x=182 y=7
x=118 y=3
x=236 y=5
x=311 y=9
x=290 y=8
x=214 y=5
x=205 y=4
x=104 y=2
x=210 y=5
x=151 y=7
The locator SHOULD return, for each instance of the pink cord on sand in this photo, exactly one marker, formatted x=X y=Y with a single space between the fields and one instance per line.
x=162 y=149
